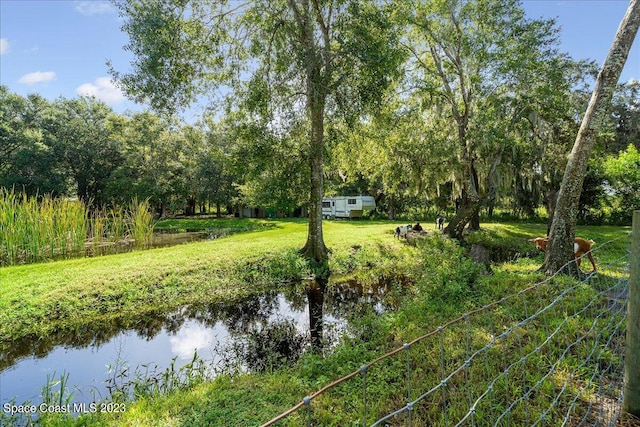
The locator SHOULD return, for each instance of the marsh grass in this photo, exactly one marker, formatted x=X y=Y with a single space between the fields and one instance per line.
x=32 y=230
x=147 y=380
x=140 y=222
x=60 y=397
x=35 y=229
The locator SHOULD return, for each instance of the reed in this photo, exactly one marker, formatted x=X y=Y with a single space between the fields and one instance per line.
x=97 y=228
x=8 y=232
x=70 y=226
x=35 y=229
x=56 y=398
x=117 y=224
x=140 y=222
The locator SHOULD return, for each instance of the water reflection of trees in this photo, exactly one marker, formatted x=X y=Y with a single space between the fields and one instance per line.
x=244 y=318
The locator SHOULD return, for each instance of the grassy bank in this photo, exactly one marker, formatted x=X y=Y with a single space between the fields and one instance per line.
x=445 y=284
x=38 y=300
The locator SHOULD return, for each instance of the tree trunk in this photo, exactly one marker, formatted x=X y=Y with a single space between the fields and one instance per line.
x=82 y=190
x=469 y=206
x=392 y=208
x=190 y=209
x=317 y=58
x=552 y=197
x=315 y=248
x=560 y=248
x=467 y=211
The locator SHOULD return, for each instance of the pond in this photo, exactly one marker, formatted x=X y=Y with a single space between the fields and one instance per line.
x=96 y=361
x=158 y=240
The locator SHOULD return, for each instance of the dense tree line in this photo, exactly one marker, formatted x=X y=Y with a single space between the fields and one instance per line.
x=81 y=149
x=460 y=107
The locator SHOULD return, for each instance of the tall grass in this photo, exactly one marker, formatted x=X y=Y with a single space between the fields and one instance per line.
x=33 y=230
x=140 y=222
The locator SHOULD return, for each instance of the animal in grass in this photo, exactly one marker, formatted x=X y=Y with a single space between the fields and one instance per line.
x=440 y=222
x=417 y=227
x=580 y=247
x=402 y=231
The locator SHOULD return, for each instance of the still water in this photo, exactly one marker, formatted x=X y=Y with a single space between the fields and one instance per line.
x=93 y=358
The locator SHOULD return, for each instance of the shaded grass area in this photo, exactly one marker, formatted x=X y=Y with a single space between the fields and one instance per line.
x=445 y=284
x=216 y=227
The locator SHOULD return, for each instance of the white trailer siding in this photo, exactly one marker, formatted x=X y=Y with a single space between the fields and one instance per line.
x=347 y=206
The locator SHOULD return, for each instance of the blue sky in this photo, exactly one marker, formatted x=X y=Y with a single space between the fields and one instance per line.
x=59 y=48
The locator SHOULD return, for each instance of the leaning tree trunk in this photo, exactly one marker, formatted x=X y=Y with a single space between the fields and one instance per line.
x=560 y=247
x=551 y=198
x=469 y=206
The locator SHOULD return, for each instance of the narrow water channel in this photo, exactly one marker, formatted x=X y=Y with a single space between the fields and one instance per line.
x=93 y=359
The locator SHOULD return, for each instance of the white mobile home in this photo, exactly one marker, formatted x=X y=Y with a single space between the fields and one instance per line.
x=346 y=206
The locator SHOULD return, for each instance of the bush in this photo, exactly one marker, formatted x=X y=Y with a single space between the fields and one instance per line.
x=447 y=274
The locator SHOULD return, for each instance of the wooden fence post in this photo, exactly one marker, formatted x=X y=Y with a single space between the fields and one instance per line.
x=631 y=401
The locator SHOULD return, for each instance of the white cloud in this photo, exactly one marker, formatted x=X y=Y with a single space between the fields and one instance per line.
x=190 y=338
x=103 y=89
x=37 y=77
x=89 y=8
x=4 y=46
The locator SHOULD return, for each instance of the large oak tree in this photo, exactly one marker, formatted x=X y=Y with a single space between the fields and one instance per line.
x=473 y=59
x=283 y=61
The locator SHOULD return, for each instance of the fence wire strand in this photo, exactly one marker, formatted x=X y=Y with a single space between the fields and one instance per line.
x=550 y=354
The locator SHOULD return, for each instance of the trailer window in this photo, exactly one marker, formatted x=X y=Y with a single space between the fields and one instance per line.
x=326 y=204
x=352 y=201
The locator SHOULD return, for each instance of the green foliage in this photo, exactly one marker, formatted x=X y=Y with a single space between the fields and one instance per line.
x=147 y=381
x=487 y=87
x=160 y=163
x=623 y=175
x=400 y=148
x=626 y=114
x=79 y=148
x=455 y=276
x=168 y=58
x=273 y=168
x=27 y=162
x=77 y=132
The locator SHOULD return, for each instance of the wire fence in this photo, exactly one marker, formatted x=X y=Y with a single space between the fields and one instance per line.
x=549 y=355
